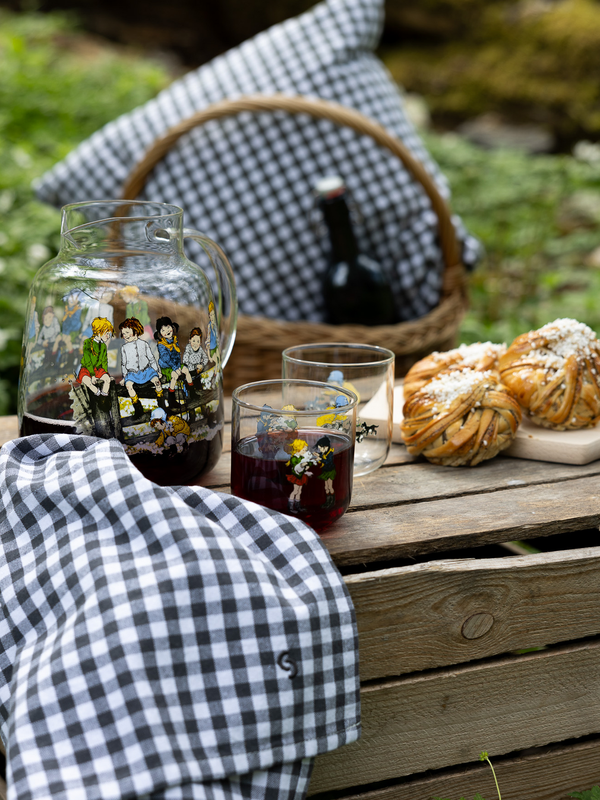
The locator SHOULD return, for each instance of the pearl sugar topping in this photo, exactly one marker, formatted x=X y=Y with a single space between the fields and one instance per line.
x=447 y=387
x=567 y=337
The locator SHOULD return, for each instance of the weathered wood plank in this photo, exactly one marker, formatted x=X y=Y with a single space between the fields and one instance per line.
x=423 y=481
x=552 y=773
x=517 y=513
x=9 y=429
x=447 y=612
x=447 y=717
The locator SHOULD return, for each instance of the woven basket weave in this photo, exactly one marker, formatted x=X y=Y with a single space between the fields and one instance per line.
x=260 y=340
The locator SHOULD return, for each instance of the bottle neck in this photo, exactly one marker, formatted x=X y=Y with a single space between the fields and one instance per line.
x=337 y=218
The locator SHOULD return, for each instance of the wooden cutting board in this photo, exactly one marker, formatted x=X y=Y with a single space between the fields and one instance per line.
x=531 y=441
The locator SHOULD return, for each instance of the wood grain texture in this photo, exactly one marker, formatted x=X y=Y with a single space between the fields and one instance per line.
x=522 y=512
x=413 y=618
x=447 y=717
x=552 y=773
x=424 y=481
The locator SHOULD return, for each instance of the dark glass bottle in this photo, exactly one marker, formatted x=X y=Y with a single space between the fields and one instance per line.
x=355 y=288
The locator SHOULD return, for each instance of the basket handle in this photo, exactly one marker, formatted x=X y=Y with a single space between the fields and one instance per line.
x=321 y=109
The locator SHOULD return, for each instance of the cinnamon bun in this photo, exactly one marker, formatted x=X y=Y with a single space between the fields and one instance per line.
x=460 y=418
x=554 y=372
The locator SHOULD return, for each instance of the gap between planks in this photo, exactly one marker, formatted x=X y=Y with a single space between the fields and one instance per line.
x=449 y=523
x=548 y=773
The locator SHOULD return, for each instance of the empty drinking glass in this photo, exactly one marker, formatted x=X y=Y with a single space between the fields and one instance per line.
x=365 y=370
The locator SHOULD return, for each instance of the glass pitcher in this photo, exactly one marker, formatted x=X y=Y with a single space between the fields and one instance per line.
x=125 y=338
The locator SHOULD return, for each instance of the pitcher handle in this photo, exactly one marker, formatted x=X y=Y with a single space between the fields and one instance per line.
x=226 y=301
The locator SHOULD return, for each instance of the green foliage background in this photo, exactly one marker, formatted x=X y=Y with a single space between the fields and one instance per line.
x=528 y=59
x=537 y=216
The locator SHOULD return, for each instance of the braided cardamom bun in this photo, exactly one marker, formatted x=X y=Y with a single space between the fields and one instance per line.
x=460 y=418
x=554 y=372
x=481 y=355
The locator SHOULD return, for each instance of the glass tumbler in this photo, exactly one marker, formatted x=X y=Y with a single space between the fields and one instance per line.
x=365 y=370
x=292 y=448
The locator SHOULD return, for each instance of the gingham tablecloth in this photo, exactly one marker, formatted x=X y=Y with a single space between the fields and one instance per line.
x=162 y=642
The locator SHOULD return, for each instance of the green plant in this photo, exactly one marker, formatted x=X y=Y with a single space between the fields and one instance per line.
x=590 y=794
x=483 y=756
x=537 y=218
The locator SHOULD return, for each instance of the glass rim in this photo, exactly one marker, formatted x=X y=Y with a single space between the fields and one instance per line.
x=390 y=356
x=352 y=398
x=171 y=210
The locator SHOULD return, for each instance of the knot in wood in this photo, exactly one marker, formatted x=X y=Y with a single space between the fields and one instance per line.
x=477 y=625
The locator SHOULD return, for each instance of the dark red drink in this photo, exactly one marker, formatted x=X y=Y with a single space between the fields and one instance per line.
x=51 y=412
x=306 y=474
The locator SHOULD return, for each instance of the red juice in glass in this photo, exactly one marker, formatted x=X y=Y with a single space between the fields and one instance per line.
x=305 y=473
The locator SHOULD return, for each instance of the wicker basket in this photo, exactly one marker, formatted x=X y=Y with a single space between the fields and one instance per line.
x=260 y=340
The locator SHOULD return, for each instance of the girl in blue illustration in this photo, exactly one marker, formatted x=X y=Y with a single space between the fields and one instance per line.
x=212 y=339
x=71 y=321
x=169 y=356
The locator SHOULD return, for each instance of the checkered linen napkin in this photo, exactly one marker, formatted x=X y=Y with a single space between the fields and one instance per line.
x=156 y=642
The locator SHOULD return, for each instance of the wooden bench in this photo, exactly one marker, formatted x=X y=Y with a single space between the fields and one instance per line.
x=445 y=608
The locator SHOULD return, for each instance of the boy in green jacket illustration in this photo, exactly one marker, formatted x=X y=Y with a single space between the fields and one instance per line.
x=93 y=372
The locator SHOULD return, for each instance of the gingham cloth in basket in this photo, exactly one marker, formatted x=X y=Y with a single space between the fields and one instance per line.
x=247 y=181
x=164 y=643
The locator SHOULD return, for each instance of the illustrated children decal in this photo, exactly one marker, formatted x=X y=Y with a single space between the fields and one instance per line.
x=137 y=308
x=300 y=460
x=194 y=357
x=212 y=338
x=334 y=420
x=174 y=430
x=138 y=363
x=336 y=376
x=50 y=329
x=71 y=321
x=328 y=473
x=98 y=305
x=169 y=356
x=93 y=372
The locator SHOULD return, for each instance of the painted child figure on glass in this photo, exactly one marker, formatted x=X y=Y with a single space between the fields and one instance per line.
x=138 y=363
x=173 y=430
x=212 y=338
x=71 y=322
x=93 y=372
x=136 y=307
x=169 y=357
x=194 y=356
x=301 y=459
x=325 y=454
x=48 y=332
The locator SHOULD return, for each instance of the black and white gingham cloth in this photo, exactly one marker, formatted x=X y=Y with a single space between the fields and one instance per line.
x=162 y=643
x=247 y=182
